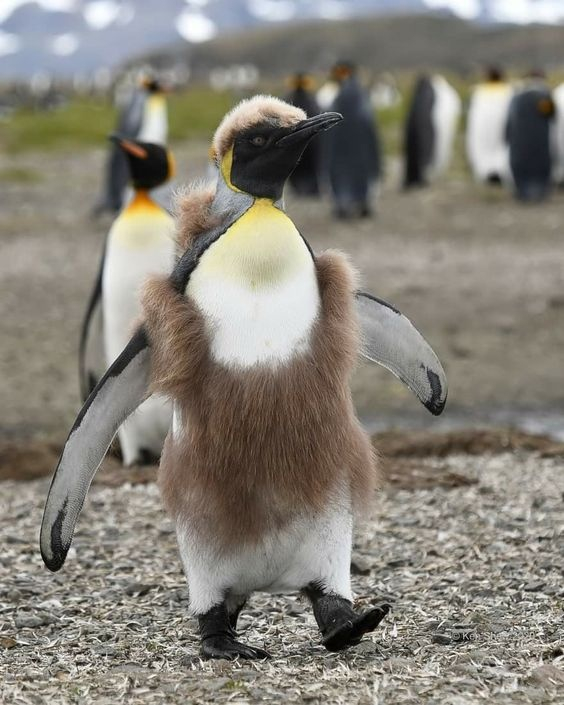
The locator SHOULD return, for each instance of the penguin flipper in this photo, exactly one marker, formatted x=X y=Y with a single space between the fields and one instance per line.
x=120 y=391
x=91 y=360
x=391 y=340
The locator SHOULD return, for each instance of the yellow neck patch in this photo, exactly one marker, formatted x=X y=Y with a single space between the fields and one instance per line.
x=225 y=168
x=141 y=204
x=261 y=248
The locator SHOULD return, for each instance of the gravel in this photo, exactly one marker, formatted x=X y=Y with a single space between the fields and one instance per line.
x=475 y=572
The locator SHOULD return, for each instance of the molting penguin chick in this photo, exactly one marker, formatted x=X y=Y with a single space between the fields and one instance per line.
x=254 y=338
x=139 y=243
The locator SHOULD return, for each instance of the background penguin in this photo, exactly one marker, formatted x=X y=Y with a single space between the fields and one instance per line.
x=304 y=180
x=529 y=124
x=144 y=118
x=558 y=136
x=430 y=130
x=486 y=144
x=140 y=242
x=353 y=155
x=254 y=338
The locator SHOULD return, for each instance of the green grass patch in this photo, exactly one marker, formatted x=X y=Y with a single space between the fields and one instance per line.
x=82 y=122
x=19 y=175
x=196 y=113
x=87 y=122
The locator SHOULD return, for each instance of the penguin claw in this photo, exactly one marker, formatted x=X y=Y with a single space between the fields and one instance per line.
x=228 y=648
x=350 y=632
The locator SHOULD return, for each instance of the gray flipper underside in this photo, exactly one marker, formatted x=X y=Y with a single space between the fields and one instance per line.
x=116 y=396
x=91 y=358
x=391 y=340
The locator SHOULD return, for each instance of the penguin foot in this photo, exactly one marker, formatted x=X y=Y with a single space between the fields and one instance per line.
x=350 y=632
x=340 y=626
x=218 y=637
x=228 y=647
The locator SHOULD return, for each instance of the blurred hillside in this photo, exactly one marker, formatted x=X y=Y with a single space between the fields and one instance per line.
x=384 y=43
x=74 y=38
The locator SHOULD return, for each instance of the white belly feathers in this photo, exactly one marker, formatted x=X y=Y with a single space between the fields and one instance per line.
x=257 y=288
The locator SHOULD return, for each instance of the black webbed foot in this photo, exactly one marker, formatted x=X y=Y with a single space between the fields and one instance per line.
x=219 y=637
x=340 y=626
x=350 y=632
x=229 y=648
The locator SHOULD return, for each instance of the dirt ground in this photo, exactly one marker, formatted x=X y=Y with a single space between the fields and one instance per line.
x=474 y=571
x=480 y=276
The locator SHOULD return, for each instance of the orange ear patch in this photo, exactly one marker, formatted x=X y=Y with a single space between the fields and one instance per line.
x=134 y=149
x=546 y=107
x=171 y=164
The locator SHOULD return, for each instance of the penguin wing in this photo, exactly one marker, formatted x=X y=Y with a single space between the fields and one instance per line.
x=120 y=391
x=391 y=340
x=91 y=361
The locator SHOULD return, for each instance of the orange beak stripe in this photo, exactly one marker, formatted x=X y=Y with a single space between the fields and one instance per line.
x=134 y=149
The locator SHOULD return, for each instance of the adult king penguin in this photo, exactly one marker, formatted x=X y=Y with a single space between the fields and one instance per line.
x=430 y=130
x=254 y=338
x=306 y=176
x=486 y=144
x=529 y=134
x=352 y=152
x=144 y=118
x=140 y=242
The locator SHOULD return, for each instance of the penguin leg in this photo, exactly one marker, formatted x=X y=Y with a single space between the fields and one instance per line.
x=218 y=637
x=235 y=604
x=340 y=626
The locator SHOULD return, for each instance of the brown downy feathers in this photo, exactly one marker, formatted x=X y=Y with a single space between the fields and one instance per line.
x=260 y=446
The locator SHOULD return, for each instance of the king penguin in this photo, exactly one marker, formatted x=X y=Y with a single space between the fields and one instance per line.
x=529 y=134
x=144 y=118
x=353 y=153
x=430 y=130
x=254 y=337
x=140 y=242
x=486 y=144
x=305 y=178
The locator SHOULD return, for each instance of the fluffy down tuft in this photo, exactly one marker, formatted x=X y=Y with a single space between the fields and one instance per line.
x=253 y=111
x=193 y=213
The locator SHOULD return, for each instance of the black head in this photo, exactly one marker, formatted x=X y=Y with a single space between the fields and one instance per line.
x=150 y=165
x=264 y=155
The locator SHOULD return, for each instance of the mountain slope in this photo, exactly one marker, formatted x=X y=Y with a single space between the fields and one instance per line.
x=65 y=37
x=384 y=43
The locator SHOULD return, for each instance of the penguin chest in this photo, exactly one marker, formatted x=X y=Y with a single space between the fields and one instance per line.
x=257 y=289
x=139 y=244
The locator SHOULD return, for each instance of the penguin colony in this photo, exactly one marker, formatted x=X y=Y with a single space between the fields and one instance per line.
x=253 y=338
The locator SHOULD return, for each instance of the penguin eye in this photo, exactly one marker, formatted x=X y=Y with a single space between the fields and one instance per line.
x=258 y=141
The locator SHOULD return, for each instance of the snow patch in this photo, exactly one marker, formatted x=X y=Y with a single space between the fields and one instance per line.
x=65 y=44
x=467 y=9
x=9 y=43
x=272 y=10
x=101 y=13
x=195 y=27
x=7 y=7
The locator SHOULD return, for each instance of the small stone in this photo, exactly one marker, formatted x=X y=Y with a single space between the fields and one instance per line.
x=547 y=675
x=139 y=589
x=360 y=566
x=443 y=639
x=7 y=642
x=534 y=586
x=32 y=621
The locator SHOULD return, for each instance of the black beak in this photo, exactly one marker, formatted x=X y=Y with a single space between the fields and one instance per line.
x=306 y=129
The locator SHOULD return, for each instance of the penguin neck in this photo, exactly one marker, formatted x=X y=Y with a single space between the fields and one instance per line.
x=141 y=201
x=231 y=203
